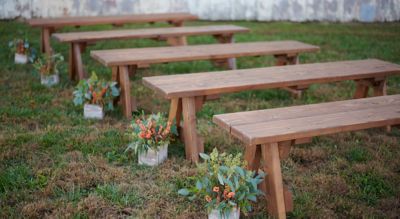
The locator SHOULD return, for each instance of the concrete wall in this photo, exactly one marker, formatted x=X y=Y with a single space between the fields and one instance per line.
x=262 y=10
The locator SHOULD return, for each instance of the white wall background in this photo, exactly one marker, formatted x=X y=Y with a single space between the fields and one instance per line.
x=262 y=10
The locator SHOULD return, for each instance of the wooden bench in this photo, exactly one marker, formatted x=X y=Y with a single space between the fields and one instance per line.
x=49 y=25
x=188 y=92
x=121 y=59
x=269 y=134
x=175 y=36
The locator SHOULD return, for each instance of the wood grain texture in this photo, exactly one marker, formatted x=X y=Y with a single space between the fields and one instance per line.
x=116 y=20
x=46 y=32
x=189 y=129
x=276 y=202
x=80 y=72
x=175 y=112
x=226 y=121
x=210 y=83
x=198 y=52
x=296 y=122
x=125 y=95
x=156 y=33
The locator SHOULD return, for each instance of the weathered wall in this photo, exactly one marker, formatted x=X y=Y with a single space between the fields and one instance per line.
x=263 y=10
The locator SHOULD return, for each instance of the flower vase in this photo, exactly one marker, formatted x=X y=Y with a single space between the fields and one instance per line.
x=20 y=58
x=92 y=111
x=49 y=80
x=215 y=214
x=154 y=157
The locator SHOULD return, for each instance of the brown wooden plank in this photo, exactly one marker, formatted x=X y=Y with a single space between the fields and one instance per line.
x=158 y=33
x=71 y=63
x=276 y=203
x=120 y=19
x=125 y=95
x=198 y=52
x=78 y=61
x=46 y=40
x=228 y=120
x=189 y=130
x=303 y=127
x=175 y=112
x=209 y=83
x=252 y=155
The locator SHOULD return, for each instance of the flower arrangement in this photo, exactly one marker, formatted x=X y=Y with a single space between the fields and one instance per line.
x=22 y=49
x=96 y=92
x=224 y=185
x=151 y=133
x=48 y=64
x=20 y=46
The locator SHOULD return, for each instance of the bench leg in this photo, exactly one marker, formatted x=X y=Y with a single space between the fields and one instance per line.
x=229 y=63
x=290 y=59
x=79 y=71
x=125 y=96
x=274 y=184
x=175 y=113
x=362 y=87
x=253 y=157
x=176 y=23
x=189 y=128
x=177 y=41
x=71 y=64
x=45 y=40
x=380 y=87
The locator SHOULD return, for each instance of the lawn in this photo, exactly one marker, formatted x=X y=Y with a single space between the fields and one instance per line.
x=55 y=163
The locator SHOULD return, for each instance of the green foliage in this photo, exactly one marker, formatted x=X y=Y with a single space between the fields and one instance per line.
x=152 y=132
x=48 y=64
x=95 y=91
x=223 y=184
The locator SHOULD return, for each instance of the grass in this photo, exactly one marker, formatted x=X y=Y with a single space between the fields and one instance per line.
x=54 y=163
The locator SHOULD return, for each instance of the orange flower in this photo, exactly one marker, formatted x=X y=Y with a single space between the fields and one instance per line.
x=216 y=189
x=142 y=134
x=148 y=135
x=208 y=198
x=231 y=195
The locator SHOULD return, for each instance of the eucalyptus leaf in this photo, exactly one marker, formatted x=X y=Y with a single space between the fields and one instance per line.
x=199 y=186
x=204 y=156
x=183 y=192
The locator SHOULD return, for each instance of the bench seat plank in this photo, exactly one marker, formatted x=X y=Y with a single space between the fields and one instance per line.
x=117 y=57
x=357 y=115
x=148 y=33
x=119 y=19
x=201 y=84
